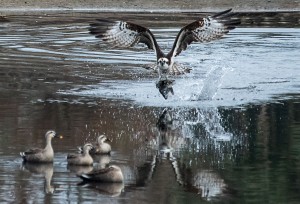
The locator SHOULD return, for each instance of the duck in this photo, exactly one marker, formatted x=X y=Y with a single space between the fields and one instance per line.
x=82 y=159
x=101 y=147
x=38 y=155
x=111 y=174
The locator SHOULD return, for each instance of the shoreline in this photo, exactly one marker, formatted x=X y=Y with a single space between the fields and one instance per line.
x=109 y=10
x=154 y=6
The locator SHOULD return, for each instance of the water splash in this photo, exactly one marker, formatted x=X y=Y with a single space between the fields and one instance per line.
x=211 y=84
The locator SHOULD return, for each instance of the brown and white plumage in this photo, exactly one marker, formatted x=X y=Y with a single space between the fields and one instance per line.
x=83 y=159
x=111 y=174
x=41 y=155
x=126 y=34
x=100 y=147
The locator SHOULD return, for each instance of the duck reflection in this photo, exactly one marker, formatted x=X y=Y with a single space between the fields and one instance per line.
x=175 y=156
x=45 y=169
x=79 y=169
x=102 y=161
x=110 y=189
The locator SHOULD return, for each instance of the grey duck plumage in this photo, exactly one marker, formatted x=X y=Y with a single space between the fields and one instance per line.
x=83 y=159
x=41 y=155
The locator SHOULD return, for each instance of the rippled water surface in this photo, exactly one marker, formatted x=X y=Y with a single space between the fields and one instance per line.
x=229 y=134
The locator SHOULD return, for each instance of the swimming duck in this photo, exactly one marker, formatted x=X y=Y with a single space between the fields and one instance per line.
x=111 y=174
x=101 y=147
x=83 y=159
x=41 y=155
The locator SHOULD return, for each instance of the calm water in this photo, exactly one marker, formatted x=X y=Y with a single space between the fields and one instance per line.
x=229 y=134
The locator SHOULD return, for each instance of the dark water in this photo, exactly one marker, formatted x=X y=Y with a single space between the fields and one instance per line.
x=230 y=133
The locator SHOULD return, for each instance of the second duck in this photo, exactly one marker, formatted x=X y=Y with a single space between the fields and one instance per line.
x=83 y=159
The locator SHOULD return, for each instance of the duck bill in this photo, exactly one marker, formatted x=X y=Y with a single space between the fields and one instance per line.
x=59 y=136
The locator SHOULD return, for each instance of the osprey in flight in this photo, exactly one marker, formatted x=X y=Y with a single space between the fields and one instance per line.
x=127 y=34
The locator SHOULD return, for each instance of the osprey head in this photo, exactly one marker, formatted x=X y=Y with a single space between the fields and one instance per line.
x=163 y=62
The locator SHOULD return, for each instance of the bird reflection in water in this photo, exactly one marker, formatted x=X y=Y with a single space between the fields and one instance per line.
x=101 y=161
x=45 y=169
x=167 y=158
x=162 y=147
x=79 y=169
x=164 y=126
x=109 y=189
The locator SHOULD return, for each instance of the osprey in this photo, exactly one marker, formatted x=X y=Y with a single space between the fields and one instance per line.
x=127 y=34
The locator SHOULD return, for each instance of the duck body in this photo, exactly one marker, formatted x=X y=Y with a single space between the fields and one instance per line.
x=83 y=159
x=38 y=155
x=103 y=148
x=111 y=174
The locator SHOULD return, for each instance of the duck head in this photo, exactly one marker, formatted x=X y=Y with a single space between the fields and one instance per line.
x=52 y=134
x=87 y=147
x=102 y=139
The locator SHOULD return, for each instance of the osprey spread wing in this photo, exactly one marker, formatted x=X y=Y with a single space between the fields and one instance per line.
x=126 y=34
